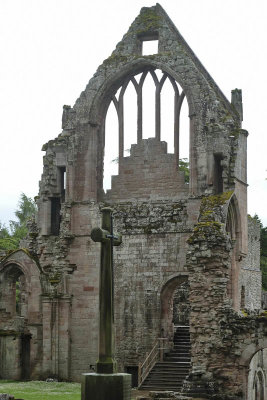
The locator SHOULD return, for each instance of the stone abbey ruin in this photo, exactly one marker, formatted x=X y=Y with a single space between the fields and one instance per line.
x=186 y=276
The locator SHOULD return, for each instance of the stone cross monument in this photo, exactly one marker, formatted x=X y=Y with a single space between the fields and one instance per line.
x=105 y=236
x=106 y=383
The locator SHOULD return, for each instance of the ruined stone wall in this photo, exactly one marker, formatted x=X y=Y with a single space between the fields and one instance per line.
x=223 y=340
x=172 y=232
x=251 y=273
x=10 y=349
x=83 y=288
x=152 y=253
x=149 y=173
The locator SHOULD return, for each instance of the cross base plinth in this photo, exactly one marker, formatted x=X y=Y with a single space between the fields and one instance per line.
x=106 y=367
x=106 y=386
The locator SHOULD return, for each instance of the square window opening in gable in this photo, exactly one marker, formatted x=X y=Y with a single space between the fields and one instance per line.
x=150 y=45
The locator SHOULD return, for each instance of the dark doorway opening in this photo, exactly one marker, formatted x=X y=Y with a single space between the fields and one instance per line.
x=55 y=215
x=133 y=370
x=25 y=356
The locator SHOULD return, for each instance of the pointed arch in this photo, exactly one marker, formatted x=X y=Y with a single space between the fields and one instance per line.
x=166 y=298
x=159 y=79
x=233 y=229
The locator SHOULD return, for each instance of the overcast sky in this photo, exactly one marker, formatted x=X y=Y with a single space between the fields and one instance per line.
x=51 y=48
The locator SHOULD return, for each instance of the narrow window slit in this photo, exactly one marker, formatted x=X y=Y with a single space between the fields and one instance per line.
x=55 y=215
x=218 y=170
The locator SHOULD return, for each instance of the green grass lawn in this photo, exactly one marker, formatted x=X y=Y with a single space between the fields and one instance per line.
x=39 y=390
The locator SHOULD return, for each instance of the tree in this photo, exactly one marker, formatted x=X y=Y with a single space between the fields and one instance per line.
x=6 y=241
x=17 y=230
x=184 y=166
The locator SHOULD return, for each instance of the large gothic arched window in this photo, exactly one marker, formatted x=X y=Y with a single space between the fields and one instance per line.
x=148 y=104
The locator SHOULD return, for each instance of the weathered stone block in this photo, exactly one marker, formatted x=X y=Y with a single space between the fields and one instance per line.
x=106 y=386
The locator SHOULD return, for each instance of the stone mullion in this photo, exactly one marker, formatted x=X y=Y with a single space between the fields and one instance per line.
x=177 y=108
x=157 y=105
x=140 y=107
x=176 y=131
x=157 y=113
x=121 y=120
x=116 y=104
x=177 y=111
x=121 y=127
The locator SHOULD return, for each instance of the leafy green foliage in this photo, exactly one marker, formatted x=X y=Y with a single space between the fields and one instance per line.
x=17 y=230
x=6 y=241
x=184 y=166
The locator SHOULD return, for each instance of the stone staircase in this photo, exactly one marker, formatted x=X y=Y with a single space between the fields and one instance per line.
x=172 y=371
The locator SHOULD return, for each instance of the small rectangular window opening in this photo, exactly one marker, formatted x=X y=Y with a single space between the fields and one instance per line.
x=218 y=170
x=55 y=215
x=150 y=47
x=62 y=179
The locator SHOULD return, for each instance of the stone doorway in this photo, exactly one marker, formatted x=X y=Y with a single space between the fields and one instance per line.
x=257 y=376
x=181 y=305
x=174 y=305
x=25 y=356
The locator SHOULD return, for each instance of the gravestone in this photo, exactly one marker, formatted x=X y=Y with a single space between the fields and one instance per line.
x=106 y=383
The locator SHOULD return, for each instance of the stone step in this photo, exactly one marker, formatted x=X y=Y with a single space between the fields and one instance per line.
x=171 y=373
x=163 y=388
x=167 y=379
x=178 y=357
x=181 y=364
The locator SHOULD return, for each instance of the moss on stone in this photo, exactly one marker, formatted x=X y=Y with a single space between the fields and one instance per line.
x=208 y=203
x=244 y=313
x=207 y=224
x=264 y=314
x=235 y=133
x=8 y=332
x=149 y=21
x=115 y=59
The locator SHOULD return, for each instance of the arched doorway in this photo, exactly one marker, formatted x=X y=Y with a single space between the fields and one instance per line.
x=257 y=376
x=175 y=307
x=13 y=298
x=181 y=304
x=15 y=340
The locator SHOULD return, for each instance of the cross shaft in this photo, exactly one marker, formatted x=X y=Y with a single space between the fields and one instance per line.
x=105 y=236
